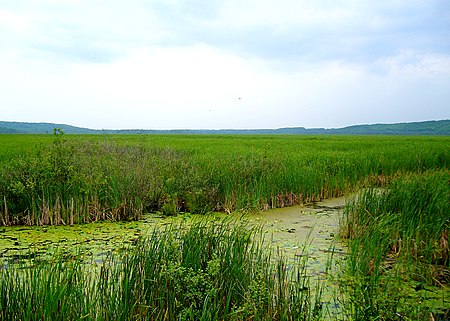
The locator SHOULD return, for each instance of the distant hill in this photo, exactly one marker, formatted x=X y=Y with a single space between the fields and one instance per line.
x=435 y=127
x=40 y=128
x=441 y=127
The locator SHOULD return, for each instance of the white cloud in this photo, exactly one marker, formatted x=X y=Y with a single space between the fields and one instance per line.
x=226 y=64
x=13 y=20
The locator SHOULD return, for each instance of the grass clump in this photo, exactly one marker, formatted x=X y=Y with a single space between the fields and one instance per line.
x=74 y=179
x=202 y=271
x=398 y=248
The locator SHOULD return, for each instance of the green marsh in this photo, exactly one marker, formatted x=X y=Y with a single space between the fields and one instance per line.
x=72 y=203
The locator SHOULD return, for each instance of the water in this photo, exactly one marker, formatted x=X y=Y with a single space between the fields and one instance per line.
x=298 y=234
x=309 y=234
x=296 y=231
x=309 y=230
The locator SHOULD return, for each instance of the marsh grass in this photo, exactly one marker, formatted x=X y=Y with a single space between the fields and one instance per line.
x=398 y=245
x=397 y=228
x=203 y=271
x=74 y=179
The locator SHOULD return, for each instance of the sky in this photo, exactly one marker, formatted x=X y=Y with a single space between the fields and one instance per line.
x=219 y=64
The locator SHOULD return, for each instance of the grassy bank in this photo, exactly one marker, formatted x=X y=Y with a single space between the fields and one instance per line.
x=204 y=271
x=398 y=262
x=73 y=179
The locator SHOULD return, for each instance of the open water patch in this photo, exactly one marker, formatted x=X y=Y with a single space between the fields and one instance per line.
x=303 y=235
x=306 y=236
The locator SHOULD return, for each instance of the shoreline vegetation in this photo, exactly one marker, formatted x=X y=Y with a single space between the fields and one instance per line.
x=76 y=179
x=396 y=228
x=398 y=249
x=205 y=271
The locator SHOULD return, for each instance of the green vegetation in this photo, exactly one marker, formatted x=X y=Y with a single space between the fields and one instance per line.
x=75 y=179
x=397 y=267
x=398 y=254
x=206 y=271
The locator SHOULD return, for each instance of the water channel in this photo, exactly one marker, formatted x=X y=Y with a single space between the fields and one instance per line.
x=299 y=233
x=296 y=231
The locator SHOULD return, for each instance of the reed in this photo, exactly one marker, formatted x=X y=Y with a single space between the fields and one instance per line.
x=78 y=179
x=398 y=246
x=202 y=271
x=397 y=227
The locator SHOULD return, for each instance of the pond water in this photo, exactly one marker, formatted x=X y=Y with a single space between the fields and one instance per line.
x=305 y=231
x=306 y=235
x=298 y=234
x=296 y=231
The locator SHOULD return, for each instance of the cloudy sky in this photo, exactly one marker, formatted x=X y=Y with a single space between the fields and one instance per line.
x=169 y=64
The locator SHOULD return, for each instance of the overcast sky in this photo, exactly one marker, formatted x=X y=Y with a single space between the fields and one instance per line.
x=197 y=64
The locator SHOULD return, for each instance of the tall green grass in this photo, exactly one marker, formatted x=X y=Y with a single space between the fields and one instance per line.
x=73 y=179
x=398 y=245
x=207 y=271
x=397 y=228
